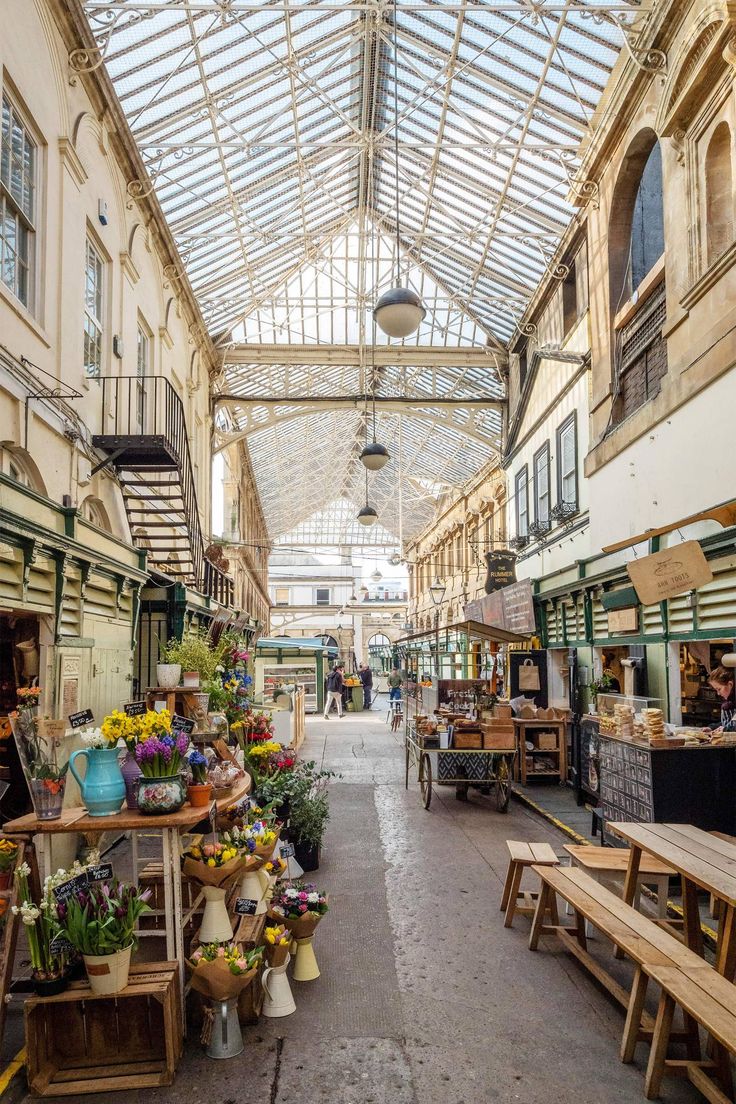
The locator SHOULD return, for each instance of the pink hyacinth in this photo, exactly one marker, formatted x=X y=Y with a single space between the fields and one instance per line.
x=220 y=952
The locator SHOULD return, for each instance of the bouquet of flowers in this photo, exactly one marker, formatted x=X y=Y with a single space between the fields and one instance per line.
x=102 y=918
x=222 y=972
x=27 y=696
x=277 y=941
x=161 y=757
x=242 y=813
x=213 y=864
x=135 y=730
x=44 y=764
x=299 y=907
x=96 y=738
x=253 y=839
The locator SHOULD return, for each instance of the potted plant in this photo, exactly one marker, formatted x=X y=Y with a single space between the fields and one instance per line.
x=49 y=961
x=161 y=787
x=99 y=921
x=200 y=790
x=310 y=812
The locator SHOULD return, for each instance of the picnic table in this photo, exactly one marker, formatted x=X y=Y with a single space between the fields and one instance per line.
x=703 y=861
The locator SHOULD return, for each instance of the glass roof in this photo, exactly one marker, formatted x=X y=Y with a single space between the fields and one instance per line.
x=269 y=130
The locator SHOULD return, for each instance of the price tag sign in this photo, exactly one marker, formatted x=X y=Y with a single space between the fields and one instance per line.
x=135 y=709
x=83 y=717
x=101 y=873
x=67 y=889
x=286 y=850
x=60 y=945
x=182 y=724
x=245 y=907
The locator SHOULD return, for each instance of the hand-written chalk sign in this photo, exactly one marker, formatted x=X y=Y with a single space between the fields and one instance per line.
x=244 y=906
x=286 y=850
x=135 y=709
x=182 y=724
x=67 y=889
x=83 y=717
x=101 y=873
x=60 y=945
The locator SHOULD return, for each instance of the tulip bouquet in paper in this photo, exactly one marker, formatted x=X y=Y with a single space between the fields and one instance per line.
x=220 y=972
x=213 y=863
x=277 y=941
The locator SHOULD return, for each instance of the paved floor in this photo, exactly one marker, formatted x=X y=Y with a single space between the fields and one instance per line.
x=424 y=997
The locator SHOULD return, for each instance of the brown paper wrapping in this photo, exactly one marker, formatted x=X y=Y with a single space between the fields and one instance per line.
x=213 y=875
x=214 y=980
x=266 y=850
x=300 y=926
x=276 y=956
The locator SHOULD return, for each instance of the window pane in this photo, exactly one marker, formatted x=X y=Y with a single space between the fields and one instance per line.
x=93 y=311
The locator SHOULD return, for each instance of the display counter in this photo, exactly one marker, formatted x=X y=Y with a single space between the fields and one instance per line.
x=685 y=785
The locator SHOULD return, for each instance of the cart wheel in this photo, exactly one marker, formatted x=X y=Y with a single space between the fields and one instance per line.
x=425 y=779
x=503 y=785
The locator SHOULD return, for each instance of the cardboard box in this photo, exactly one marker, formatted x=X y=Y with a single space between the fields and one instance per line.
x=547 y=741
x=503 y=711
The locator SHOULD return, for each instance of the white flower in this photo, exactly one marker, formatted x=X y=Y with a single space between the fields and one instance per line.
x=313 y=898
x=93 y=738
x=24 y=869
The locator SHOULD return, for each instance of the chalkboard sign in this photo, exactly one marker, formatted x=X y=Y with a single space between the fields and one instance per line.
x=286 y=850
x=60 y=945
x=67 y=889
x=245 y=907
x=101 y=873
x=83 y=717
x=136 y=708
x=182 y=724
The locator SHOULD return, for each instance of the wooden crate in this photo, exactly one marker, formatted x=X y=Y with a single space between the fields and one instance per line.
x=463 y=739
x=80 y=1043
x=547 y=741
x=152 y=877
x=499 y=735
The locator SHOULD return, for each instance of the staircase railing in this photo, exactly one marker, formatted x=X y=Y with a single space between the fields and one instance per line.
x=149 y=407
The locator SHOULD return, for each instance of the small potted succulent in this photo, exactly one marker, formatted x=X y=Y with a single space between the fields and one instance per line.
x=200 y=790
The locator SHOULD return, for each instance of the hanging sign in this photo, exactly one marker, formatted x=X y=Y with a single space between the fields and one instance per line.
x=50 y=729
x=240 y=622
x=511 y=608
x=244 y=906
x=501 y=569
x=669 y=572
x=135 y=709
x=83 y=717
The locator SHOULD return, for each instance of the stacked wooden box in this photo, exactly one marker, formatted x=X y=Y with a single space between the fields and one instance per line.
x=498 y=729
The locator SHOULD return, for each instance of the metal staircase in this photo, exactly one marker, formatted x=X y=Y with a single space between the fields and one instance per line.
x=144 y=436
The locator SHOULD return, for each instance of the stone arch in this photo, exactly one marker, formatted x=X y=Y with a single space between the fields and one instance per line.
x=21 y=467
x=93 y=510
x=636 y=224
x=719 y=200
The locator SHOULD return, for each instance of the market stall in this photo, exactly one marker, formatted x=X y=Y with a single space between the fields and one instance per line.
x=285 y=661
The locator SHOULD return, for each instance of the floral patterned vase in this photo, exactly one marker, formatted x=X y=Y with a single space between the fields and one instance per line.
x=158 y=796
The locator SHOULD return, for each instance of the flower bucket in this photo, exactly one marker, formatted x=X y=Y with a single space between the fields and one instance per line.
x=216 y=926
x=48 y=797
x=102 y=788
x=190 y=680
x=108 y=973
x=168 y=675
x=305 y=963
x=253 y=888
x=277 y=996
x=199 y=794
x=159 y=796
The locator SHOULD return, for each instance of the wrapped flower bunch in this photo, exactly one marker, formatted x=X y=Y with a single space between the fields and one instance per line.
x=277 y=941
x=296 y=900
x=221 y=972
x=256 y=837
x=212 y=854
x=238 y=960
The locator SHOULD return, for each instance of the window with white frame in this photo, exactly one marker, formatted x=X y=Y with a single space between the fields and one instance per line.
x=281 y=596
x=541 y=486
x=521 y=491
x=141 y=371
x=94 y=272
x=18 y=160
x=567 y=463
x=322 y=596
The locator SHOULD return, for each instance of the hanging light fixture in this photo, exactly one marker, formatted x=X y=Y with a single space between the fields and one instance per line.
x=374 y=456
x=400 y=310
x=376 y=576
x=367 y=515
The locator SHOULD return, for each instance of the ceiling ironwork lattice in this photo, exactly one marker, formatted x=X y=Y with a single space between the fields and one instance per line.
x=267 y=130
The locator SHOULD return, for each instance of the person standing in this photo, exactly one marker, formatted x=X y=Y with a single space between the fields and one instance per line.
x=395 y=682
x=335 y=683
x=721 y=679
x=366 y=677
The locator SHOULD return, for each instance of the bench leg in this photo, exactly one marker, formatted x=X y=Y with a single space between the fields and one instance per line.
x=660 y=1041
x=580 y=930
x=507 y=885
x=633 y=1015
x=513 y=895
x=725 y=1075
x=544 y=902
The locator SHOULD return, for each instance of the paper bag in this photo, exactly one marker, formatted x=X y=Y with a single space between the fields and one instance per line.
x=528 y=675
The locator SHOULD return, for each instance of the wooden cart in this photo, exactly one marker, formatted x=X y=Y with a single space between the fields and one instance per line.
x=497 y=769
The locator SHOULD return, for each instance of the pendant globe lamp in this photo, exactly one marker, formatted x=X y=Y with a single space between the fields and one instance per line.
x=374 y=456
x=399 y=311
x=367 y=515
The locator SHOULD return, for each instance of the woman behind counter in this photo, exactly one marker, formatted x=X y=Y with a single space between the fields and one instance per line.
x=722 y=681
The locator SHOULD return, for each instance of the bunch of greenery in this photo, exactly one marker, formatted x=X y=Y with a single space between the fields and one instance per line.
x=194 y=652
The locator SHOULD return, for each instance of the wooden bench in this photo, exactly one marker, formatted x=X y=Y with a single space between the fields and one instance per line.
x=523 y=855
x=710 y=999
x=608 y=865
x=641 y=939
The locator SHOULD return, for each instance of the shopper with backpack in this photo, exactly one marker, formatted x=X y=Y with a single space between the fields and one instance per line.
x=335 y=682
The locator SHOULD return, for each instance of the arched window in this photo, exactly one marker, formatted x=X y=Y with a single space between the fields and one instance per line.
x=94 y=512
x=21 y=468
x=636 y=229
x=380 y=640
x=719 y=200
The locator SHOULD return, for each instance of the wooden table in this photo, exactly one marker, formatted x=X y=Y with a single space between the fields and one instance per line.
x=703 y=861
x=128 y=820
x=526 y=729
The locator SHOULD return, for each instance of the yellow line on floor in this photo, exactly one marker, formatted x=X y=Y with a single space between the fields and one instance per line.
x=710 y=935
x=10 y=1071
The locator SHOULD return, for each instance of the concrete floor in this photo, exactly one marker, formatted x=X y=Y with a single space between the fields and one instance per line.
x=424 y=997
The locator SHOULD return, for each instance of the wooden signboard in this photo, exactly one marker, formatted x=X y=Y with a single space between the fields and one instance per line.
x=511 y=608
x=669 y=572
x=623 y=620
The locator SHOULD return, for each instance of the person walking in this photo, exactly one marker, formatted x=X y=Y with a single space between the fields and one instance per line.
x=335 y=683
x=395 y=682
x=366 y=677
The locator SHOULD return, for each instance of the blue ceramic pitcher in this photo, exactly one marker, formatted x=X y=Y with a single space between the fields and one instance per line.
x=103 y=788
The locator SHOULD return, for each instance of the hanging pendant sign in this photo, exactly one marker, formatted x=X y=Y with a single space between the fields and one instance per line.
x=501 y=569
x=669 y=572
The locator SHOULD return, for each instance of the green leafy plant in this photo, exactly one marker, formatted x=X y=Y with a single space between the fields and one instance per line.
x=601 y=685
x=102 y=919
x=193 y=653
x=308 y=819
x=220 y=698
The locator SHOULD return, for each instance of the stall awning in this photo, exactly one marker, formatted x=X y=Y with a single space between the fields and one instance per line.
x=473 y=629
x=292 y=643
